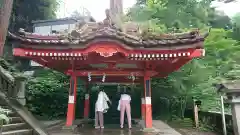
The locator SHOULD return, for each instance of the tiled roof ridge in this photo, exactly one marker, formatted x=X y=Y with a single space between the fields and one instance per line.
x=89 y=29
x=87 y=32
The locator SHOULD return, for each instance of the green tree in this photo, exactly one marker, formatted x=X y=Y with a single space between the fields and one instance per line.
x=26 y=11
x=236 y=26
x=188 y=13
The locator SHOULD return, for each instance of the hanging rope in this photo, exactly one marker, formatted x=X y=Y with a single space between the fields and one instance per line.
x=104 y=77
x=89 y=76
x=133 y=78
x=118 y=88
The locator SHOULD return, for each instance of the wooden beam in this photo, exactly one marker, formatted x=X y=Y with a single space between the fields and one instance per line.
x=107 y=72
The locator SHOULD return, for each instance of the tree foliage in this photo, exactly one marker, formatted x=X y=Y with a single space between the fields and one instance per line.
x=179 y=13
x=3 y=116
x=236 y=26
x=26 y=11
x=194 y=80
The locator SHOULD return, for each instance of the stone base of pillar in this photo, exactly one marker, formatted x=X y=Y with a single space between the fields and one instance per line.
x=22 y=101
x=71 y=128
x=151 y=130
x=143 y=108
x=144 y=129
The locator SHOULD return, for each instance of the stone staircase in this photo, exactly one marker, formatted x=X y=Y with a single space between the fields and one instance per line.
x=16 y=125
x=12 y=100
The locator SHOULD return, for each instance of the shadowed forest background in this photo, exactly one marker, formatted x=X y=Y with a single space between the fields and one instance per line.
x=47 y=90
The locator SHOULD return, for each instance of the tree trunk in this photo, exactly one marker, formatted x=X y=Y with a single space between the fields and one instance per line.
x=5 y=13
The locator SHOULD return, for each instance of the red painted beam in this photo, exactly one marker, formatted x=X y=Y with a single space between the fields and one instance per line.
x=197 y=53
x=115 y=81
x=109 y=72
x=101 y=72
x=100 y=50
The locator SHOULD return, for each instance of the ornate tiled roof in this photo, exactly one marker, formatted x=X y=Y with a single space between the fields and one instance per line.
x=130 y=34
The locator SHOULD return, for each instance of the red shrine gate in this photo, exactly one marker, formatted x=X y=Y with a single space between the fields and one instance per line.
x=100 y=53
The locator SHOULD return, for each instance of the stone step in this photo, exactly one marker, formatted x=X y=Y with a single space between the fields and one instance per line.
x=5 y=110
x=9 y=112
x=15 y=126
x=4 y=106
x=19 y=132
x=12 y=114
x=15 y=120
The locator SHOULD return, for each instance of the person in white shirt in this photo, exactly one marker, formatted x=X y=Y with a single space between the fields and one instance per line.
x=101 y=106
x=124 y=105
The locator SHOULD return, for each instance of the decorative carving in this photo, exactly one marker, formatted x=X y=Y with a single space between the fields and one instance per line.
x=108 y=20
x=106 y=51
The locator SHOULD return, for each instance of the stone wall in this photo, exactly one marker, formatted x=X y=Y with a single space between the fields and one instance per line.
x=213 y=120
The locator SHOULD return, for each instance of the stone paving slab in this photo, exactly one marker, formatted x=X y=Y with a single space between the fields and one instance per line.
x=164 y=129
x=51 y=123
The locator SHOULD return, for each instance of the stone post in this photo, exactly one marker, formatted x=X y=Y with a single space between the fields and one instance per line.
x=19 y=91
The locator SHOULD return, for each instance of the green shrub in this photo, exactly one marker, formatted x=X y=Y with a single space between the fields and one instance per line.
x=47 y=94
x=3 y=116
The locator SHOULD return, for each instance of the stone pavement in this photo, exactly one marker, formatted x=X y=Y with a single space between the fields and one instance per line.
x=162 y=129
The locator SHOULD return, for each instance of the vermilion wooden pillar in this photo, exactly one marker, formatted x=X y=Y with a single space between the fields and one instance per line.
x=86 y=102
x=143 y=104
x=148 y=106
x=72 y=101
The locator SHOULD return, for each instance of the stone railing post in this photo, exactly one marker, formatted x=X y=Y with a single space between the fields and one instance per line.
x=19 y=90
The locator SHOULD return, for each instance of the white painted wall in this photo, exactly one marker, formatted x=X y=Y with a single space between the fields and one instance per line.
x=47 y=30
x=60 y=27
x=43 y=30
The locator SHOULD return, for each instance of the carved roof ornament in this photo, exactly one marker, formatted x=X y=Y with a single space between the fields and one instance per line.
x=108 y=20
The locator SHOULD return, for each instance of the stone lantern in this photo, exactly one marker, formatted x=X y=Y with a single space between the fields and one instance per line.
x=232 y=91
